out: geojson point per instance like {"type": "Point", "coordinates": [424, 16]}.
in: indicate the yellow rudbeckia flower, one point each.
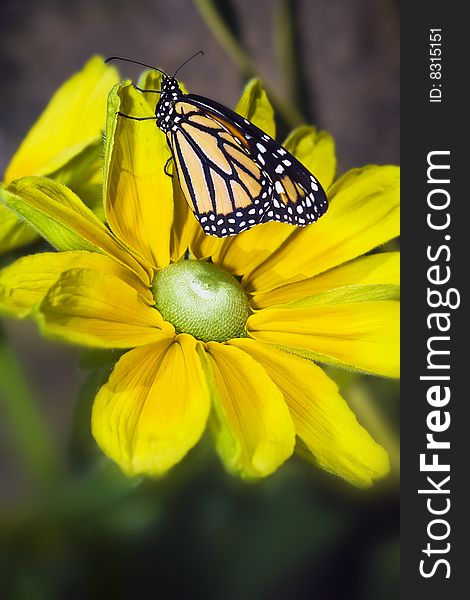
{"type": "Point", "coordinates": [220, 332]}
{"type": "Point", "coordinates": [64, 144]}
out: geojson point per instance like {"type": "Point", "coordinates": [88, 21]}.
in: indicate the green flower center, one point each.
{"type": "Point", "coordinates": [201, 299]}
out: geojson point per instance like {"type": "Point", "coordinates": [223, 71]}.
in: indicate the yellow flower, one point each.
{"type": "Point", "coordinates": [239, 320]}
{"type": "Point", "coordinates": [64, 144]}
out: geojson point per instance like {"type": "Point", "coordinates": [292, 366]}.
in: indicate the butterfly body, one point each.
{"type": "Point", "coordinates": [233, 175]}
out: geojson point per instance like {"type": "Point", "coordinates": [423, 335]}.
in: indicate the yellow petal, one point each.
{"type": "Point", "coordinates": [202, 245]}
{"type": "Point", "coordinates": [73, 118]}
{"type": "Point", "coordinates": [363, 335]}
{"type": "Point", "coordinates": [255, 106]}
{"type": "Point", "coordinates": [91, 308]}
{"type": "Point", "coordinates": [251, 424]}
{"type": "Point", "coordinates": [154, 407]}
{"type": "Point", "coordinates": [83, 174]}
{"type": "Point", "coordinates": [321, 417]}
{"type": "Point", "coordinates": [375, 269]}
{"type": "Point", "coordinates": [62, 219]}
{"type": "Point", "coordinates": [242, 253]}
{"type": "Point", "coordinates": [315, 150]}
{"type": "Point", "coordinates": [25, 282]}
{"type": "Point", "coordinates": [363, 213]}
{"type": "Point", "coordinates": [347, 294]}
{"type": "Point", "coordinates": [138, 193]}
{"type": "Point", "coordinates": [13, 232]}
{"type": "Point", "coordinates": [185, 226]}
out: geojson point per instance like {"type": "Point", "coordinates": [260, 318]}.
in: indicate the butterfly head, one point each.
{"type": "Point", "coordinates": [170, 88]}
{"type": "Point", "coordinates": [169, 94]}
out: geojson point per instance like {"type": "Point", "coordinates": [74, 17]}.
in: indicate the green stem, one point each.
{"type": "Point", "coordinates": [290, 58]}
{"type": "Point", "coordinates": [32, 438]}
{"type": "Point", "coordinates": [284, 36]}
{"type": "Point", "coordinates": [218, 27]}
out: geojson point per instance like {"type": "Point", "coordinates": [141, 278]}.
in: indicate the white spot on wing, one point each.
{"type": "Point", "coordinates": [279, 188]}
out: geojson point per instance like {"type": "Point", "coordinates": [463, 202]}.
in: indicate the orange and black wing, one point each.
{"type": "Point", "coordinates": [235, 176]}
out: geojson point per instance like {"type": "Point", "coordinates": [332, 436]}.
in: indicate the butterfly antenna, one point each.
{"type": "Point", "coordinates": [187, 60]}
{"type": "Point", "coordinates": [136, 62]}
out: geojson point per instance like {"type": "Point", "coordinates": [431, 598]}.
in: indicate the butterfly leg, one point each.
{"type": "Point", "coordinates": [166, 165]}
{"type": "Point", "coordinates": [150, 91]}
{"type": "Point", "coordinates": [120, 114]}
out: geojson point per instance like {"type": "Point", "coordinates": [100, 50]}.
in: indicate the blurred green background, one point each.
{"type": "Point", "coordinates": [70, 525]}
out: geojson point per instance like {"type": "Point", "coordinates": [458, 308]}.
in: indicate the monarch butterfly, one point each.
{"type": "Point", "coordinates": [233, 175]}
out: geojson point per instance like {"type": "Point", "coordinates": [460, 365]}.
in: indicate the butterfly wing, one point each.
{"type": "Point", "coordinates": [235, 176]}
{"type": "Point", "coordinates": [224, 187]}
